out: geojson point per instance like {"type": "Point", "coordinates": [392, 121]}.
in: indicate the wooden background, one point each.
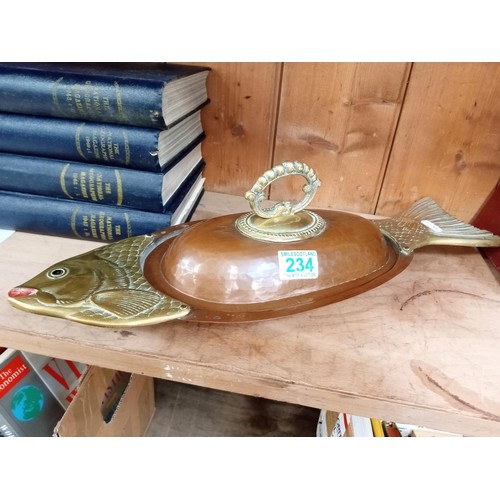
{"type": "Point", "coordinates": [379, 135]}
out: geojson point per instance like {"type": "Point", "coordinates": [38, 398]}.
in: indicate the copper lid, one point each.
{"type": "Point", "coordinates": [271, 262]}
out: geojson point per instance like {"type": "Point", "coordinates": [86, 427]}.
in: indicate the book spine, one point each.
{"type": "Point", "coordinates": [89, 142]}
{"type": "Point", "coordinates": [81, 181]}
{"type": "Point", "coordinates": [91, 97]}
{"type": "Point", "coordinates": [390, 429]}
{"type": "Point", "coordinates": [77, 219]}
{"type": "Point", "coordinates": [378, 429]}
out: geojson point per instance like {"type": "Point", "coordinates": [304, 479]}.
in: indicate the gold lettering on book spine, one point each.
{"type": "Point", "coordinates": [129, 225]}
{"type": "Point", "coordinates": [74, 214]}
{"type": "Point", "coordinates": [119, 103]}
{"type": "Point", "coordinates": [78, 99]}
{"type": "Point", "coordinates": [103, 134]}
{"type": "Point", "coordinates": [62, 180]}
{"type": "Point", "coordinates": [92, 192]}
{"type": "Point", "coordinates": [100, 189]}
{"type": "Point", "coordinates": [126, 144]}
{"type": "Point", "coordinates": [119, 188]}
{"type": "Point", "coordinates": [78, 143]}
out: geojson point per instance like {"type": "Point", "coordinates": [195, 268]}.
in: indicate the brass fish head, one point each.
{"type": "Point", "coordinates": [61, 288]}
{"type": "Point", "coordinates": [103, 287]}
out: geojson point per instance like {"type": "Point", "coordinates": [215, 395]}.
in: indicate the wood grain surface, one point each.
{"type": "Point", "coordinates": [447, 144]}
{"type": "Point", "coordinates": [240, 124]}
{"type": "Point", "coordinates": [380, 135]}
{"type": "Point", "coordinates": [340, 119]}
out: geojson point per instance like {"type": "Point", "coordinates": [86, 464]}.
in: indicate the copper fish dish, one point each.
{"type": "Point", "coordinates": [264, 264]}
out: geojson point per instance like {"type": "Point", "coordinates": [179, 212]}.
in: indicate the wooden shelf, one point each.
{"type": "Point", "coordinates": [422, 348]}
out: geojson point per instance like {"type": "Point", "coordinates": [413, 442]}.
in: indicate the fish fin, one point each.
{"type": "Point", "coordinates": [444, 226]}
{"type": "Point", "coordinates": [426, 223]}
{"type": "Point", "coordinates": [126, 303]}
{"type": "Point", "coordinates": [130, 308]}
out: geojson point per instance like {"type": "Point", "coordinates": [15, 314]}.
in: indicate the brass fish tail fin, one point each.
{"type": "Point", "coordinates": [426, 223]}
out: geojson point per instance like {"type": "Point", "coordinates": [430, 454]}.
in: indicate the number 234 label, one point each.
{"type": "Point", "coordinates": [298, 264]}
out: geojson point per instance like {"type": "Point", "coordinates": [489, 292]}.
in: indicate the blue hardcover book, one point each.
{"type": "Point", "coordinates": [102, 143]}
{"type": "Point", "coordinates": [152, 95]}
{"type": "Point", "coordinates": [89, 182]}
{"type": "Point", "coordinates": [93, 221]}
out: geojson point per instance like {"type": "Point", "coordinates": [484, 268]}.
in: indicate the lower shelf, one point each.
{"type": "Point", "coordinates": [187, 410]}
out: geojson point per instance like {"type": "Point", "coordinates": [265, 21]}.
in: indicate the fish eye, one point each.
{"type": "Point", "coordinates": [58, 272]}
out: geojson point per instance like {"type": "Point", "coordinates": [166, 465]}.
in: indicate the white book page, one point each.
{"type": "Point", "coordinates": [4, 234]}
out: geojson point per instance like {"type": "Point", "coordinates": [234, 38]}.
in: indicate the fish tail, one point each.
{"type": "Point", "coordinates": [426, 223]}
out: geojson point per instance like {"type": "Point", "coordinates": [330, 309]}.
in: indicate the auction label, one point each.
{"type": "Point", "coordinates": [298, 264]}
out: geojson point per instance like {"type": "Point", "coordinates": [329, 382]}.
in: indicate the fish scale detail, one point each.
{"type": "Point", "coordinates": [126, 254]}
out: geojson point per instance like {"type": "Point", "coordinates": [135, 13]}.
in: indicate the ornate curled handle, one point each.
{"type": "Point", "coordinates": [256, 194]}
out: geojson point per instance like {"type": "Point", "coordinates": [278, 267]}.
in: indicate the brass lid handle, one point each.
{"type": "Point", "coordinates": [285, 221]}
{"type": "Point", "coordinates": [256, 194]}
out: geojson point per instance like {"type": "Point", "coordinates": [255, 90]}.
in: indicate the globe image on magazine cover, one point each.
{"type": "Point", "coordinates": [27, 403]}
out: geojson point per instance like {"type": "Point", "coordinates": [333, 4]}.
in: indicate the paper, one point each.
{"type": "Point", "coordinates": [4, 234]}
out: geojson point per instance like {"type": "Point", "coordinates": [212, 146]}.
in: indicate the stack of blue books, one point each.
{"type": "Point", "coordinates": [100, 151]}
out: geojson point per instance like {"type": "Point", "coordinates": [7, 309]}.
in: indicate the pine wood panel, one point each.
{"type": "Point", "coordinates": [239, 123]}
{"type": "Point", "coordinates": [447, 145]}
{"type": "Point", "coordinates": [339, 118]}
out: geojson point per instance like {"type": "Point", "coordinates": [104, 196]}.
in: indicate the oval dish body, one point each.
{"type": "Point", "coordinates": [225, 276]}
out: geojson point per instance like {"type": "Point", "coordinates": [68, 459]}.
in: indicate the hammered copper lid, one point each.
{"type": "Point", "coordinates": [271, 262]}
